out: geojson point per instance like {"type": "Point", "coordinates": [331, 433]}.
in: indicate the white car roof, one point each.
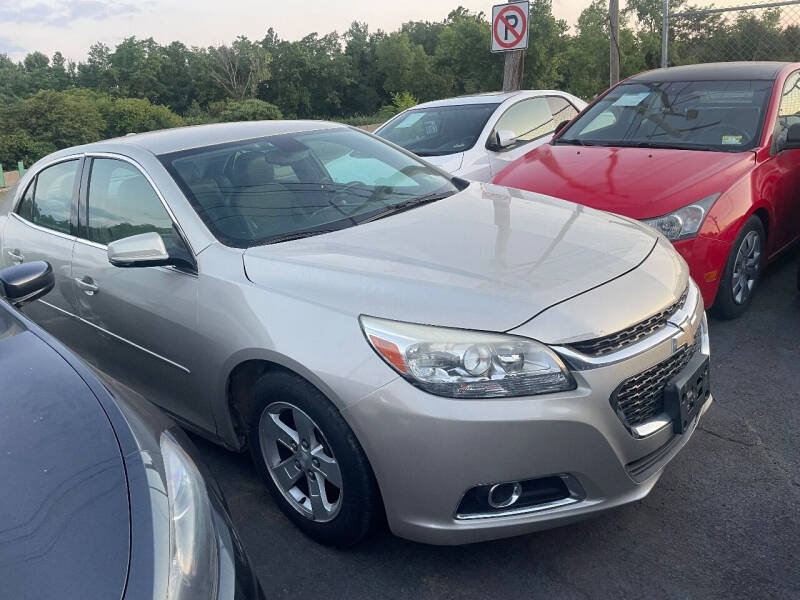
{"type": "Point", "coordinates": [486, 98]}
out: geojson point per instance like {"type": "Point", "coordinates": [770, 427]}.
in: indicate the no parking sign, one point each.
{"type": "Point", "coordinates": [510, 26]}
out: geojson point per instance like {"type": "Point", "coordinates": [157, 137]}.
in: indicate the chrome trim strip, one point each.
{"type": "Point", "coordinates": [577, 494]}
{"type": "Point", "coordinates": [582, 362]}
{"type": "Point", "coordinates": [61, 310]}
{"type": "Point", "coordinates": [520, 511]}
{"type": "Point", "coordinates": [32, 173]}
{"type": "Point", "coordinates": [65, 236]}
{"type": "Point", "coordinates": [654, 425]}
{"type": "Point", "coordinates": [678, 323]}
{"type": "Point", "coordinates": [120, 338]}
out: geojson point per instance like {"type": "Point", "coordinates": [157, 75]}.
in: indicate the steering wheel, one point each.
{"type": "Point", "coordinates": [344, 200]}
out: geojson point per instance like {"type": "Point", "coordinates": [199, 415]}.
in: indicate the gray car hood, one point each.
{"type": "Point", "coordinates": [486, 258]}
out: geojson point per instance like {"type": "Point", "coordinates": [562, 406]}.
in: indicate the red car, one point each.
{"type": "Point", "coordinates": [707, 154]}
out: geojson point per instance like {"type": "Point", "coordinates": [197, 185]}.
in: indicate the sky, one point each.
{"type": "Point", "coordinates": [71, 26]}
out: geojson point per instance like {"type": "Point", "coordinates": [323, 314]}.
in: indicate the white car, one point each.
{"type": "Point", "coordinates": [476, 137]}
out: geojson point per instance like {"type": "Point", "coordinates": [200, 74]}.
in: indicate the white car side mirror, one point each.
{"type": "Point", "coordinates": [505, 138]}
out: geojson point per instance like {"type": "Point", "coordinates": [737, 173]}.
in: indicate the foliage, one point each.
{"type": "Point", "coordinates": [49, 102]}
{"type": "Point", "coordinates": [249, 110]}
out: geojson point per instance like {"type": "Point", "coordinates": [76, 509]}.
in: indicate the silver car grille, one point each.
{"type": "Point", "coordinates": [617, 341]}
{"type": "Point", "coordinates": [641, 397]}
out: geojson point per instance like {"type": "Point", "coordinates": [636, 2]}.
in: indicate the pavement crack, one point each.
{"type": "Point", "coordinates": [731, 439]}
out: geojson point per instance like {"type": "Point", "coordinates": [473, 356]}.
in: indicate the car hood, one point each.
{"type": "Point", "coordinates": [636, 182]}
{"type": "Point", "coordinates": [486, 258]}
{"type": "Point", "coordinates": [448, 162]}
{"type": "Point", "coordinates": [64, 516]}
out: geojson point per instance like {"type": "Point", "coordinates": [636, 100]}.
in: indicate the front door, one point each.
{"type": "Point", "coordinates": [780, 175]}
{"type": "Point", "coordinates": [40, 228]}
{"type": "Point", "coordinates": [532, 123]}
{"type": "Point", "coordinates": [141, 323]}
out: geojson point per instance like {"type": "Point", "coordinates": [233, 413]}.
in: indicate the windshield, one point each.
{"type": "Point", "coordinates": [438, 131]}
{"type": "Point", "coordinates": [723, 116]}
{"type": "Point", "coordinates": [289, 186]}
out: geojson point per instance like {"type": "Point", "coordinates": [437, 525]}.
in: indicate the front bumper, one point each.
{"type": "Point", "coordinates": [427, 451]}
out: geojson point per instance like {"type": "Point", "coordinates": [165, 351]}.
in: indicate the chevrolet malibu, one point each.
{"type": "Point", "coordinates": [468, 360]}
{"type": "Point", "coordinates": [707, 154]}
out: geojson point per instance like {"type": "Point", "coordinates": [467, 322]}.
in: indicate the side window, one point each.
{"type": "Point", "coordinates": [48, 200]}
{"type": "Point", "coordinates": [528, 120]}
{"type": "Point", "coordinates": [122, 203]}
{"type": "Point", "coordinates": [789, 109]}
{"type": "Point", "coordinates": [25, 208]}
{"type": "Point", "coordinates": [561, 109]}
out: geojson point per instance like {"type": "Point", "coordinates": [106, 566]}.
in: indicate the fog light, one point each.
{"type": "Point", "coordinates": [519, 497]}
{"type": "Point", "coordinates": [503, 495]}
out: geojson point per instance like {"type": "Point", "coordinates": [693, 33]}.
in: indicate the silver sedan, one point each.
{"type": "Point", "coordinates": [473, 361]}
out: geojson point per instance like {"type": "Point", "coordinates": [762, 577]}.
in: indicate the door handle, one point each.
{"type": "Point", "coordinates": [87, 285]}
{"type": "Point", "coordinates": [16, 256]}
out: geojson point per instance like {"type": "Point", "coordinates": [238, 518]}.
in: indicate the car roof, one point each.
{"type": "Point", "coordinates": [199, 136]}
{"type": "Point", "coordinates": [483, 98]}
{"type": "Point", "coordinates": [730, 71]}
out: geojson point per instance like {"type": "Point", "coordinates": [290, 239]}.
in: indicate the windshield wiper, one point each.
{"type": "Point", "coordinates": [297, 235]}
{"type": "Point", "coordinates": [660, 145]}
{"type": "Point", "coordinates": [406, 205]}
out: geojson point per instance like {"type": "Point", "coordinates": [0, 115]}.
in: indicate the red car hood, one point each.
{"type": "Point", "coordinates": [634, 182]}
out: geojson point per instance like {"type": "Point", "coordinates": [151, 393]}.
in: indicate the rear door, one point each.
{"type": "Point", "coordinates": [532, 123]}
{"type": "Point", "coordinates": [41, 227]}
{"type": "Point", "coordinates": [141, 324]}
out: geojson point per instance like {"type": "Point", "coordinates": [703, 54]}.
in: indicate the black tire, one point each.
{"type": "Point", "coordinates": [725, 304]}
{"type": "Point", "coordinates": [361, 506]}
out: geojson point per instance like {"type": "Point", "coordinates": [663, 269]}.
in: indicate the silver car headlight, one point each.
{"type": "Point", "coordinates": [457, 363]}
{"type": "Point", "coordinates": [685, 222]}
{"type": "Point", "coordinates": [194, 568]}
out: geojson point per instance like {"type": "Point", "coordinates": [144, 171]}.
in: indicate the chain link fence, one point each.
{"type": "Point", "coordinates": [731, 30]}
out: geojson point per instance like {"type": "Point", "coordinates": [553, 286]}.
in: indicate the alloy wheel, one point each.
{"type": "Point", "coordinates": [300, 461]}
{"type": "Point", "coordinates": [746, 267]}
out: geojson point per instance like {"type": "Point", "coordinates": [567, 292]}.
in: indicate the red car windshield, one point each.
{"type": "Point", "coordinates": [723, 116]}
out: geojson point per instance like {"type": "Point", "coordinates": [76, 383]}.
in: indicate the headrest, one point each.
{"type": "Point", "coordinates": [252, 169]}
{"type": "Point", "coordinates": [189, 172]}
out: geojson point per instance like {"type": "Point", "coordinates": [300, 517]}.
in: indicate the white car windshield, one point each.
{"type": "Point", "coordinates": [285, 187]}
{"type": "Point", "coordinates": [438, 131]}
{"type": "Point", "coordinates": [693, 115]}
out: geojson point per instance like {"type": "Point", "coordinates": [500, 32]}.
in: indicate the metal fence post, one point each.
{"type": "Point", "coordinates": [2, 178]}
{"type": "Point", "coordinates": [21, 169]}
{"type": "Point", "coordinates": [665, 36]}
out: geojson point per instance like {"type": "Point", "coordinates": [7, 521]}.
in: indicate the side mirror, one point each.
{"type": "Point", "coordinates": [27, 282]}
{"type": "Point", "coordinates": [560, 126]}
{"type": "Point", "coordinates": [792, 138]}
{"type": "Point", "coordinates": [505, 138]}
{"type": "Point", "coordinates": [143, 250]}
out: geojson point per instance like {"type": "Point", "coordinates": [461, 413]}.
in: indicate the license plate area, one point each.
{"type": "Point", "coordinates": [687, 392]}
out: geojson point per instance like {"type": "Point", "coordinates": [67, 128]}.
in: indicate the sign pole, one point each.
{"type": "Point", "coordinates": [510, 31]}
{"type": "Point", "coordinates": [513, 71]}
{"type": "Point", "coordinates": [613, 17]}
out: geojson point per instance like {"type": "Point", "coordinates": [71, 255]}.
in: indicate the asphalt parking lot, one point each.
{"type": "Point", "coordinates": [724, 521]}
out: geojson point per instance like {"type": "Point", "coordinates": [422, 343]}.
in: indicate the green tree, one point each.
{"type": "Point", "coordinates": [250, 110]}
{"type": "Point", "coordinates": [54, 120]}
